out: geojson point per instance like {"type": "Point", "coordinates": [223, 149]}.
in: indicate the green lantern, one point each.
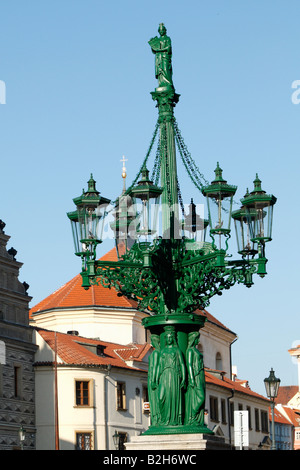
{"type": "Point", "coordinates": [243, 220]}
{"type": "Point", "coordinates": [88, 219]}
{"type": "Point", "coordinates": [149, 194]}
{"type": "Point", "coordinates": [124, 225]}
{"type": "Point", "coordinates": [259, 207]}
{"type": "Point", "coordinates": [219, 195]}
{"type": "Point", "coordinates": [194, 228]}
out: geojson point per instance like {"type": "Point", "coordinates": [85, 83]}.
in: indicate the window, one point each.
{"type": "Point", "coordinates": [145, 398]}
{"type": "Point", "coordinates": [249, 417]}
{"type": "Point", "coordinates": [82, 392]}
{"type": "Point", "coordinates": [264, 421]}
{"type": "Point", "coordinates": [122, 440]}
{"type": "Point", "coordinates": [223, 411]}
{"type": "Point", "coordinates": [219, 364]}
{"type": "Point", "coordinates": [17, 381]}
{"type": "Point", "coordinates": [83, 441]}
{"type": "Point", "coordinates": [214, 414]}
{"type": "Point", "coordinates": [256, 414]}
{"type": "Point", "coordinates": [231, 413]}
{"type": "Point", "coordinates": [121, 396]}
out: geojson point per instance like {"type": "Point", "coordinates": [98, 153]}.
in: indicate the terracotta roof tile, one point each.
{"type": "Point", "coordinates": [286, 393]}
{"type": "Point", "coordinates": [293, 415]}
{"type": "Point", "coordinates": [278, 417]}
{"type": "Point", "coordinates": [72, 294]}
{"type": "Point", "coordinates": [76, 350]}
{"type": "Point", "coordinates": [135, 352]}
{"type": "Point", "coordinates": [232, 385]}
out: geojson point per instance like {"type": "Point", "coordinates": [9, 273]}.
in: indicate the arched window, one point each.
{"type": "Point", "coordinates": [219, 365]}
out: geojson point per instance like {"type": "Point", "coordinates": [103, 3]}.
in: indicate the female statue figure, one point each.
{"type": "Point", "coordinates": [195, 395]}
{"type": "Point", "coordinates": [153, 380]}
{"type": "Point", "coordinates": [171, 381]}
{"type": "Point", "coordinates": [162, 48]}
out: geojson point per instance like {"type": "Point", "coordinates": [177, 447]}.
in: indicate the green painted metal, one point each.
{"type": "Point", "coordinates": [173, 278]}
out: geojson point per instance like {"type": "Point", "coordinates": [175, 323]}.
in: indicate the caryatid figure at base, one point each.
{"type": "Point", "coordinates": [195, 394]}
{"type": "Point", "coordinates": [153, 379]}
{"type": "Point", "coordinates": [162, 48]}
{"type": "Point", "coordinates": [172, 374]}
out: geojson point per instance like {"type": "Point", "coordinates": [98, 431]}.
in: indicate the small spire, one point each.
{"type": "Point", "coordinates": [218, 173]}
{"type": "Point", "coordinates": [145, 173]}
{"type": "Point", "coordinates": [257, 183]}
{"type": "Point", "coordinates": [257, 186]}
{"type": "Point", "coordinates": [92, 185]}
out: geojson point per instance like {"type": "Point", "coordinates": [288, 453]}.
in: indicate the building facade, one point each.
{"type": "Point", "coordinates": [17, 384]}
{"type": "Point", "coordinates": [87, 390]}
{"type": "Point", "coordinates": [283, 427]}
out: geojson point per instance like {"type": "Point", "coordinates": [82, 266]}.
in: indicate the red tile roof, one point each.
{"type": "Point", "coordinates": [286, 393]}
{"type": "Point", "coordinates": [293, 415]}
{"type": "Point", "coordinates": [76, 350]}
{"type": "Point", "coordinates": [231, 385]}
{"type": "Point", "coordinates": [72, 294]}
{"type": "Point", "coordinates": [278, 417]}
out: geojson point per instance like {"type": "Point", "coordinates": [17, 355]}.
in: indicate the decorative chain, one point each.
{"type": "Point", "coordinates": [190, 165]}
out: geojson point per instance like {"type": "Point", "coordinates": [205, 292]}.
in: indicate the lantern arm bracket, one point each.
{"type": "Point", "coordinates": [196, 259]}
{"type": "Point", "coordinates": [117, 264]}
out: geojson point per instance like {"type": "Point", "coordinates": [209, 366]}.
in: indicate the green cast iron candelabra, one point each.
{"type": "Point", "coordinates": [172, 275]}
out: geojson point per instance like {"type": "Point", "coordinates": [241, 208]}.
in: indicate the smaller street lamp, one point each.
{"type": "Point", "coordinates": [116, 439]}
{"type": "Point", "coordinates": [194, 227]}
{"type": "Point", "coordinates": [22, 437]}
{"type": "Point", "coordinates": [272, 384]}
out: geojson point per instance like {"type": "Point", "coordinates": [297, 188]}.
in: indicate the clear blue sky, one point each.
{"type": "Point", "coordinates": [78, 76]}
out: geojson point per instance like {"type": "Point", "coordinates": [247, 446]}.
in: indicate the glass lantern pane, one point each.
{"type": "Point", "coordinates": [243, 235]}
{"type": "Point", "coordinates": [261, 226]}
{"type": "Point", "coordinates": [76, 236]}
{"type": "Point", "coordinates": [147, 222]}
{"type": "Point", "coordinates": [219, 212]}
{"type": "Point", "coordinates": [90, 223]}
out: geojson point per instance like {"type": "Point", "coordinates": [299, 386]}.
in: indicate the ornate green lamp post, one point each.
{"type": "Point", "coordinates": [171, 275]}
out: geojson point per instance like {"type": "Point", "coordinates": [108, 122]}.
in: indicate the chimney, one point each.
{"type": "Point", "coordinates": [73, 333]}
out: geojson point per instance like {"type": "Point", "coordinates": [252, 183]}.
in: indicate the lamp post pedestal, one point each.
{"type": "Point", "coordinates": [176, 381]}
{"type": "Point", "coordinates": [180, 442]}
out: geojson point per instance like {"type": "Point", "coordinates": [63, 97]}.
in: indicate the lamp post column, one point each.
{"type": "Point", "coordinates": [166, 100]}
{"type": "Point", "coordinates": [273, 425]}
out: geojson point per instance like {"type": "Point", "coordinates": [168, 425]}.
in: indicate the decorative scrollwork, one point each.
{"type": "Point", "coordinates": [176, 281]}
